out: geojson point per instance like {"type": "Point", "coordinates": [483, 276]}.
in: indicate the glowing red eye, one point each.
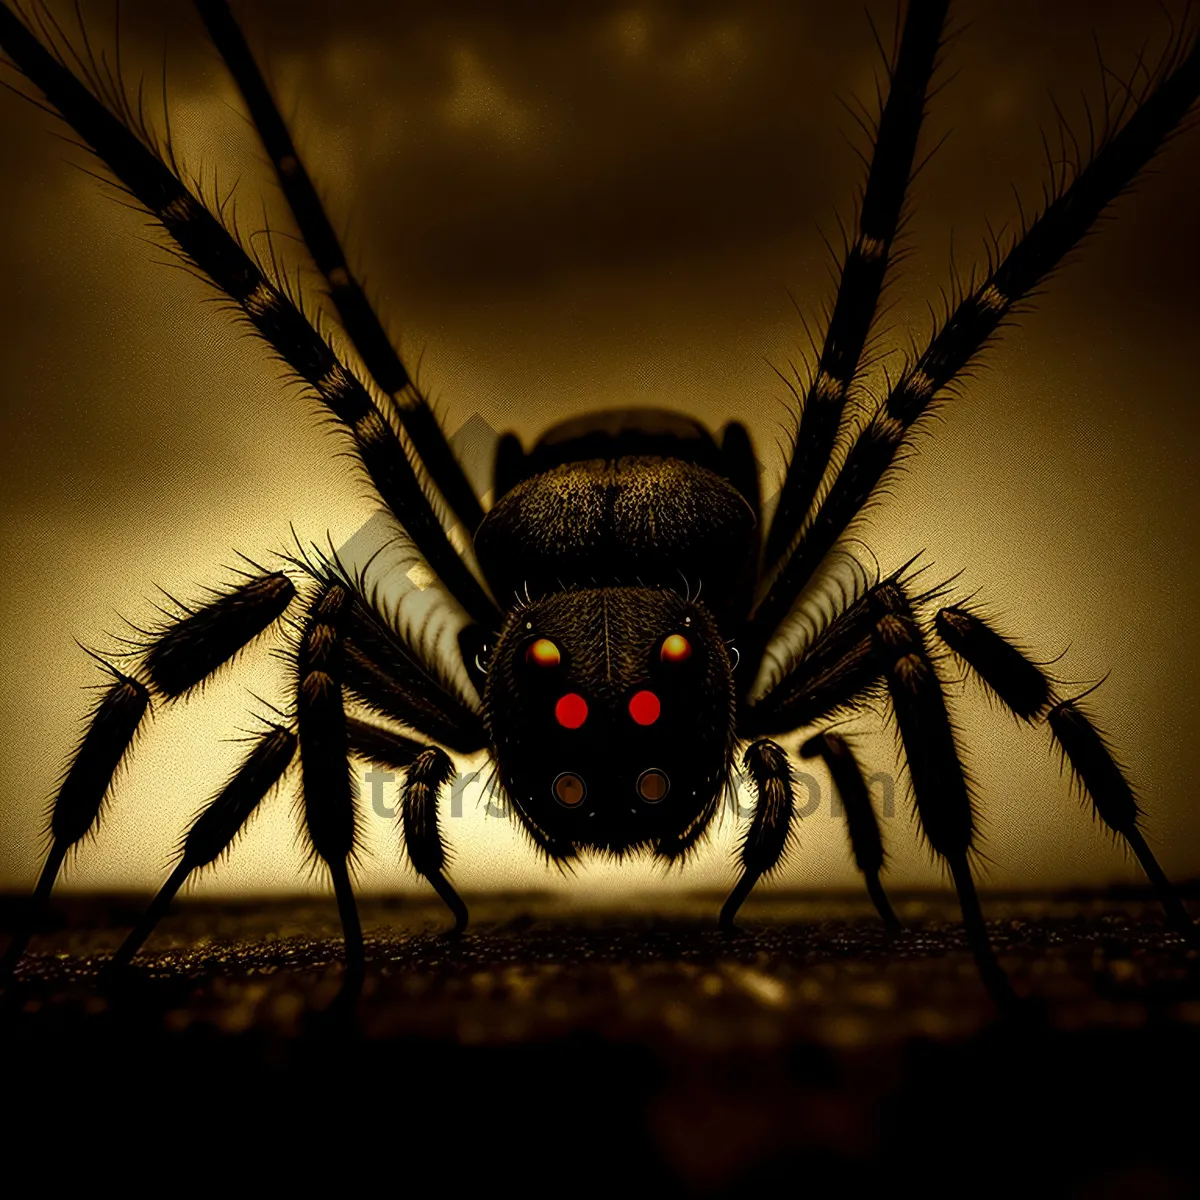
{"type": "Point", "coordinates": [543, 653]}
{"type": "Point", "coordinates": [676, 649]}
{"type": "Point", "coordinates": [644, 708]}
{"type": "Point", "coordinates": [571, 710]}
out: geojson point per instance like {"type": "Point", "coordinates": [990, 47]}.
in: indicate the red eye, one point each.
{"type": "Point", "coordinates": [675, 649]}
{"type": "Point", "coordinates": [543, 653]}
{"type": "Point", "coordinates": [571, 710]}
{"type": "Point", "coordinates": [644, 708]}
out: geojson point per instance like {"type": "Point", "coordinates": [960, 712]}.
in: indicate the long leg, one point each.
{"type": "Point", "coordinates": [329, 795]}
{"type": "Point", "coordinates": [866, 842]}
{"type": "Point", "coordinates": [1024, 688]}
{"type": "Point", "coordinates": [202, 240]}
{"type": "Point", "coordinates": [939, 785]}
{"type": "Point", "coordinates": [876, 638]}
{"type": "Point", "coordinates": [863, 270]}
{"type": "Point", "coordinates": [214, 829]}
{"type": "Point", "coordinates": [956, 343]}
{"type": "Point", "coordinates": [358, 317]}
{"type": "Point", "coordinates": [176, 658]}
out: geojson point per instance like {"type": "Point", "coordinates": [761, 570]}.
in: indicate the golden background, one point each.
{"type": "Point", "coordinates": [569, 206]}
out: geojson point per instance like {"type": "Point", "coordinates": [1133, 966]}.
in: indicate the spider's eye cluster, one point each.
{"type": "Point", "coordinates": [543, 653]}
{"type": "Point", "coordinates": [675, 649]}
{"type": "Point", "coordinates": [571, 711]}
{"type": "Point", "coordinates": [645, 707]}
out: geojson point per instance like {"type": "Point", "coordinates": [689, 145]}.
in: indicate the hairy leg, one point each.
{"type": "Point", "coordinates": [202, 242]}
{"type": "Point", "coordinates": [175, 658]}
{"type": "Point", "coordinates": [358, 317]}
{"type": "Point", "coordinates": [1023, 687]}
{"type": "Point", "coordinates": [863, 270]}
{"type": "Point", "coordinates": [866, 841]}
{"type": "Point", "coordinates": [770, 831]}
{"type": "Point", "coordinates": [1072, 210]}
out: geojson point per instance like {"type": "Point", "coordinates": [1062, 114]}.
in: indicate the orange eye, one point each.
{"type": "Point", "coordinates": [543, 653]}
{"type": "Point", "coordinates": [675, 649]}
{"type": "Point", "coordinates": [571, 710]}
{"type": "Point", "coordinates": [645, 708]}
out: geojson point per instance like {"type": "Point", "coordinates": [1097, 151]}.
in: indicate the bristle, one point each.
{"type": "Point", "coordinates": [188, 651]}
{"type": "Point", "coordinates": [430, 772]}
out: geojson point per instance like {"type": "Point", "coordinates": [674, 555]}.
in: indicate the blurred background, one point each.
{"type": "Point", "coordinates": [569, 207]}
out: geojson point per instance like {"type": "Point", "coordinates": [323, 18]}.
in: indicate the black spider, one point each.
{"type": "Point", "coordinates": [613, 700]}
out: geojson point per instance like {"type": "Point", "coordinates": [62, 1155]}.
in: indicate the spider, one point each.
{"type": "Point", "coordinates": [625, 589]}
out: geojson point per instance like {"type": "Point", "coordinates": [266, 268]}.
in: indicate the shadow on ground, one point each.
{"type": "Point", "coordinates": [583, 1050]}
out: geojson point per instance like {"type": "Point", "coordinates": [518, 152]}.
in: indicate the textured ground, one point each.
{"type": "Point", "coordinates": [584, 1050]}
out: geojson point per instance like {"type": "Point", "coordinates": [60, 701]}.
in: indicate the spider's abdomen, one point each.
{"type": "Point", "coordinates": [619, 498]}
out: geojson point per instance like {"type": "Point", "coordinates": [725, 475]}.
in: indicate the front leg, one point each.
{"type": "Point", "coordinates": [771, 829]}
{"type": "Point", "coordinates": [429, 773]}
{"type": "Point", "coordinates": [427, 770]}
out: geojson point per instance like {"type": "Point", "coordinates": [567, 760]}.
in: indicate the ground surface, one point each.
{"type": "Point", "coordinates": [586, 1050]}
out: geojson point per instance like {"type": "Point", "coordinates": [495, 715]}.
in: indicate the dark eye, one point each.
{"type": "Point", "coordinates": [644, 707]}
{"type": "Point", "coordinates": [543, 653]}
{"type": "Point", "coordinates": [571, 710]}
{"type": "Point", "coordinates": [675, 649]}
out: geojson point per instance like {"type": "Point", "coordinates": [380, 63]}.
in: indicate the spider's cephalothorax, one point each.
{"type": "Point", "coordinates": [609, 699]}
{"type": "Point", "coordinates": [627, 591]}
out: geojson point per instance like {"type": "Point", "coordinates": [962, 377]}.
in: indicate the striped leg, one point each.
{"type": "Point", "coordinates": [1024, 688]}
{"type": "Point", "coordinates": [1072, 210]}
{"type": "Point", "coordinates": [201, 240]}
{"type": "Point", "coordinates": [358, 317]}
{"type": "Point", "coordinates": [862, 271]}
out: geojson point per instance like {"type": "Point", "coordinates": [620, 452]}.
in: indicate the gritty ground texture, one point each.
{"type": "Point", "coordinates": [558, 1049]}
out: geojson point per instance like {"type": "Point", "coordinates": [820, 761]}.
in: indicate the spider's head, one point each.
{"type": "Point", "coordinates": [611, 714]}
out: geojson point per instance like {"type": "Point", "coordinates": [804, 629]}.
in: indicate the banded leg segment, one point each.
{"type": "Point", "coordinates": [202, 240]}
{"type": "Point", "coordinates": [177, 658]}
{"type": "Point", "coordinates": [1025, 689]}
{"type": "Point", "coordinates": [866, 841]}
{"type": "Point", "coordinates": [956, 343]}
{"type": "Point", "coordinates": [863, 270]}
{"type": "Point", "coordinates": [329, 799]}
{"type": "Point", "coordinates": [770, 831]}
{"type": "Point", "coordinates": [358, 317]}
{"type": "Point", "coordinates": [940, 789]}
